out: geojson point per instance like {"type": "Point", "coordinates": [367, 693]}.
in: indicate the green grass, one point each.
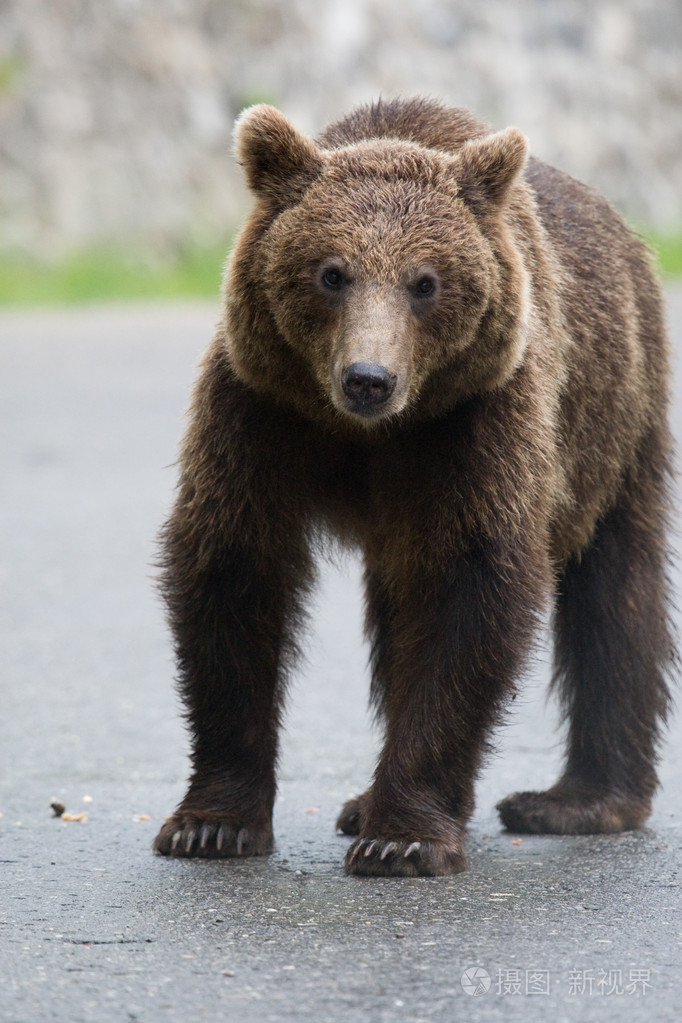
{"type": "Point", "coordinates": [106, 275]}
{"type": "Point", "coordinates": [668, 249]}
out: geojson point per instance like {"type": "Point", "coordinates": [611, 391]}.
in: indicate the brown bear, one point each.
{"type": "Point", "coordinates": [453, 359]}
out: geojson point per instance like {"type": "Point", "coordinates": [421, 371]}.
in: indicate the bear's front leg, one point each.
{"type": "Point", "coordinates": [236, 565]}
{"type": "Point", "coordinates": [446, 651]}
{"type": "Point", "coordinates": [221, 609]}
{"type": "Point", "coordinates": [232, 617]}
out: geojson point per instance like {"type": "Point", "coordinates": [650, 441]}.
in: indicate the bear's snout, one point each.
{"type": "Point", "coordinates": [367, 385]}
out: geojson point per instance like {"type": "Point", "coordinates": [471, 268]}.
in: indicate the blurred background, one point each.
{"type": "Point", "coordinates": [116, 174]}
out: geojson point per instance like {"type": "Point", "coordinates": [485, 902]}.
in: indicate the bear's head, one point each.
{"type": "Point", "coordinates": [379, 280]}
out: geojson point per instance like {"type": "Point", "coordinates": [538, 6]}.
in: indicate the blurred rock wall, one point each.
{"type": "Point", "coordinates": [116, 115]}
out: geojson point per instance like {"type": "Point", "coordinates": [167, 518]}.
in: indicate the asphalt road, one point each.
{"type": "Point", "coordinates": [93, 926]}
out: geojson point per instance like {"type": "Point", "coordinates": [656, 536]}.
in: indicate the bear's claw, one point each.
{"type": "Point", "coordinates": [183, 835]}
{"type": "Point", "coordinates": [403, 858]}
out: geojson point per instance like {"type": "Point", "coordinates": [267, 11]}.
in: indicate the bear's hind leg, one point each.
{"type": "Point", "coordinates": [613, 652]}
{"type": "Point", "coordinates": [349, 820]}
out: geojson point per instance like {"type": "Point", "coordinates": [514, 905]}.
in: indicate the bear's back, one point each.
{"type": "Point", "coordinates": [421, 121]}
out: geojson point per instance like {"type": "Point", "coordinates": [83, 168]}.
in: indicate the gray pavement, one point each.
{"type": "Point", "coordinates": [92, 925]}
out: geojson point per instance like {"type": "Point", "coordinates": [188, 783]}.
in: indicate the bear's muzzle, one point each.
{"type": "Point", "coordinates": [367, 385]}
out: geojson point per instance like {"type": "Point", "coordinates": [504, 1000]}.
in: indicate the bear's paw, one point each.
{"type": "Point", "coordinates": [349, 820]}
{"type": "Point", "coordinates": [561, 811]}
{"type": "Point", "coordinates": [203, 836]}
{"type": "Point", "coordinates": [404, 857]}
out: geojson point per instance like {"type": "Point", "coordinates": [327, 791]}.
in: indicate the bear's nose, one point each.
{"type": "Point", "coordinates": [367, 384]}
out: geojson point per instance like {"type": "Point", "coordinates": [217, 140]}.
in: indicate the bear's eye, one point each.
{"type": "Point", "coordinates": [425, 286]}
{"type": "Point", "coordinates": [333, 278]}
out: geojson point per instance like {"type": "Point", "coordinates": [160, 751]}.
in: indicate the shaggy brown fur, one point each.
{"type": "Point", "coordinates": [454, 360]}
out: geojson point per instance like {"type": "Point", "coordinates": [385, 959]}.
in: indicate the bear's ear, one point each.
{"type": "Point", "coordinates": [488, 167]}
{"type": "Point", "coordinates": [277, 159]}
